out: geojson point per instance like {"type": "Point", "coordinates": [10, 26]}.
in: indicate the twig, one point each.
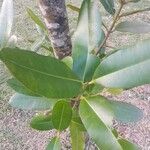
{"type": "Point", "coordinates": [110, 29]}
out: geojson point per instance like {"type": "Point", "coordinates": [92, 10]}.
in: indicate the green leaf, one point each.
{"type": "Point", "coordinates": [91, 65]}
{"type": "Point", "coordinates": [74, 8]}
{"type": "Point", "coordinates": [42, 122]}
{"type": "Point", "coordinates": [114, 91]}
{"type": "Point", "coordinates": [54, 144]}
{"type": "Point", "coordinates": [30, 102]}
{"type": "Point", "coordinates": [102, 50]}
{"type": "Point", "coordinates": [36, 19]}
{"type": "Point", "coordinates": [77, 137]}
{"type": "Point", "coordinates": [133, 27]}
{"type": "Point", "coordinates": [126, 145]}
{"type": "Point", "coordinates": [94, 88]}
{"type": "Point", "coordinates": [44, 75]}
{"type": "Point", "coordinates": [108, 5]}
{"type": "Point", "coordinates": [102, 108]}
{"type": "Point", "coordinates": [6, 21]}
{"type": "Point", "coordinates": [115, 133]}
{"type": "Point", "coordinates": [61, 115]}
{"type": "Point", "coordinates": [98, 131]}
{"type": "Point", "coordinates": [126, 68]}
{"type": "Point", "coordinates": [68, 61]}
{"type": "Point", "coordinates": [87, 38]}
{"type": "Point", "coordinates": [19, 87]}
{"type": "Point", "coordinates": [76, 120]}
{"type": "Point", "coordinates": [108, 109]}
{"type": "Point", "coordinates": [125, 112]}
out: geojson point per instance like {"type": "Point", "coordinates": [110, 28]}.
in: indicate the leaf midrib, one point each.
{"type": "Point", "coordinates": [88, 40]}
{"type": "Point", "coordinates": [42, 123]}
{"type": "Point", "coordinates": [61, 117]}
{"type": "Point", "coordinates": [34, 70]}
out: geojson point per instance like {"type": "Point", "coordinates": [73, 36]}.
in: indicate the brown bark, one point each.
{"type": "Point", "coordinates": [56, 19]}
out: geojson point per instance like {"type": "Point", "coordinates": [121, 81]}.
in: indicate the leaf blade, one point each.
{"type": "Point", "coordinates": [61, 115]}
{"type": "Point", "coordinates": [54, 144]}
{"type": "Point", "coordinates": [77, 137]}
{"type": "Point", "coordinates": [102, 108]}
{"type": "Point", "coordinates": [86, 39]}
{"type": "Point", "coordinates": [107, 110]}
{"type": "Point", "coordinates": [126, 112]}
{"type": "Point", "coordinates": [109, 6]}
{"type": "Point", "coordinates": [36, 19]}
{"type": "Point", "coordinates": [133, 27]}
{"type": "Point", "coordinates": [127, 145]}
{"type": "Point", "coordinates": [30, 102]}
{"type": "Point", "coordinates": [42, 122]}
{"type": "Point", "coordinates": [19, 87]}
{"type": "Point", "coordinates": [97, 129]}
{"type": "Point", "coordinates": [43, 75]}
{"type": "Point", "coordinates": [126, 68]}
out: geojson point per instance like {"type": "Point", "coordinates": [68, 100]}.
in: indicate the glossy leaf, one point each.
{"type": "Point", "coordinates": [77, 137]}
{"type": "Point", "coordinates": [108, 109]}
{"type": "Point", "coordinates": [125, 112]}
{"type": "Point", "coordinates": [126, 145]}
{"type": "Point", "coordinates": [108, 5]}
{"type": "Point", "coordinates": [77, 131]}
{"type": "Point", "coordinates": [126, 68]}
{"type": "Point", "coordinates": [98, 131]}
{"type": "Point", "coordinates": [102, 108]}
{"type": "Point", "coordinates": [54, 144]}
{"type": "Point", "coordinates": [42, 122]}
{"type": "Point", "coordinates": [114, 91]}
{"type": "Point", "coordinates": [43, 75]}
{"type": "Point", "coordinates": [76, 120]}
{"type": "Point", "coordinates": [61, 115]}
{"type": "Point", "coordinates": [86, 38]}
{"type": "Point", "coordinates": [19, 87]}
{"type": "Point", "coordinates": [114, 131]}
{"type": "Point", "coordinates": [30, 102]}
{"type": "Point", "coordinates": [102, 50]}
{"type": "Point", "coordinates": [133, 27]}
{"type": "Point", "coordinates": [36, 19]}
{"type": "Point", "coordinates": [6, 21]}
{"type": "Point", "coordinates": [68, 61]}
{"type": "Point", "coordinates": [94, 88]}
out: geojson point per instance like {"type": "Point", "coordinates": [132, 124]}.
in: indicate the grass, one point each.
{"type": "Point", "coordinates": [14, 129]}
